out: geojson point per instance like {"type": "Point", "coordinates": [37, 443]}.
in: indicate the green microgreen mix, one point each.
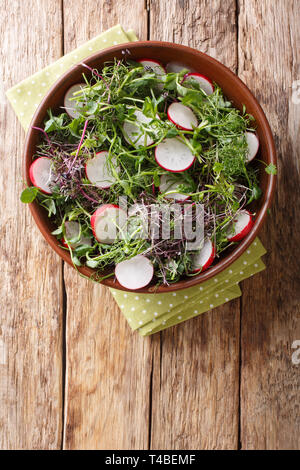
{"type": "Point", "coordinates": [220, 178]}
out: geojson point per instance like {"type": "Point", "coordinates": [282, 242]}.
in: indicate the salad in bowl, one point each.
{"type": "Point", "coordinates": [147, 171]}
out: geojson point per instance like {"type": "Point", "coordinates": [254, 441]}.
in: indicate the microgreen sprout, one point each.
{"type": "Point", "coordinates": [220, 178]}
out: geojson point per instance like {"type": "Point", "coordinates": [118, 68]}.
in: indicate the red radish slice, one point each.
{"type": "Point", "coordinates": [182, 116]}
{"type": "Point", "coordinates": [203, 259]}
{"type": "Point", "coordinates": [167, 184]}
{"type": "Point", "coordinates": [253, 145]}
{"type": "Point", "coordinates": [98, 170]}
{"type": "Point", "coordinates": [71, 105]}
{"type": "Point", "coordinates": [241, 226]}
{"type": "Point", "coordinates": [205, 83]}
{"type": "Point", "coordinates": [63, 241]}
{"type": "Point", "coordinates": [106, 221]}
{"type": "Point", "coordinates": [134, 273]}
{"type": "Point", "coordinates": [175, 67]}
{"type": "Point", "coordinates": [41, 175]}
{"type": "Point", "coordinates": [156, 66]}
{"type": "Point", "coordinates": [133, 133]}
{"type": "Point", "coordinates": [173, 155]}
{"type": "Point", "coordinates": [72, 229]}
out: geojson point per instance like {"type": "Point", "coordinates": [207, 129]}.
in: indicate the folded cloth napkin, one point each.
{"type": "Point", "coordinates": [150, 313]}
{"type": "Point", "coordinates": [27, 95]}
{"type": "Point", "coordinates": [147, 313]}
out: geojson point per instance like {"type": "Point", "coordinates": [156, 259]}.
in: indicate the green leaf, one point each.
{"type": "Point", "coordinates": [230, 188]}
{"type": "Point", "coordinates": [74, 127]}
{"type": "Point", "coordinates": [29, 194]}
{"type": "Point", "coordinates": [54, 123]}
{"type": "Point", "coordinates": [218, 167]}
{"type": "Point", "coordinates": [181, 90]}
{"type": "Point", "coordinates": [172, 132]}
{"type": "Point", "coordinates": [235, 205]}
{"type": "Point", "coordinates": [91, 263]}
{"type": "Point", "coordinates": [170, 81]}
{"type": "Point", "coordinates": [58, 231]}
{"type": "Point", "coordinates": [91, 108]}
{"type": "Point", "coordinates": [156, 180]}
{"type": "Point", "coordinates": [256, 192]}
{"type": "Point", "coordinates": [271, 169]}
{"type": "Point", "coordinates": [50, 204]}
{"type": "Point", "coordinates": [82, 249]}
{"type": "Point", "coordinates": [148, 108]}
{"type": "Point", "coordinates": [76, 261]}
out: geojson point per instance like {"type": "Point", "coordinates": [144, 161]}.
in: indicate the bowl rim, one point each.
{"type": "Point", "coordinates": [221, 265]}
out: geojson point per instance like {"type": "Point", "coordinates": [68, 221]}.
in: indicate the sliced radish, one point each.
{"type": "Point", "coordinates": [99, 172]}
{"type": "Point", "coordinates": [106, 222]}
{"type": "Point", "coordinates": [154, 65]}
{"type": "Point", "coordinates": [40, 174]}
{"type": "Point", "coordinates": [173, 155]}
{"type": "Point", "coordinates": [72, 229]}
{"type": "Point", "coordinates": [134, 134]}
{"type": "Point", "coordinates": [205, 83]}
{"type": "Point", "coordinates": [241, 226]}
{"type": "Point", "coordinates": [70, 104]}
{"type": "Point", "coordinates": [253, 145]}
{"type": "Point", "coordinates": [168, 184]}
{"type": "Point", "coordinates": [134, 273]}
{"type": "Point", "coordinates": [182, 116]}
{"type": "Point", "coordinates": [203, 259]}
{"type": "Point", "coordinates": [175, 67]}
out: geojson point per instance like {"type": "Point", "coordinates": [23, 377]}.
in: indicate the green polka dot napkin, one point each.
{"type": "Point", "coordinates": [150, 313]}
{"type": "Point", "coordinates": [26, 96]}
{"type": "Point", "coordinates": [147, 313]}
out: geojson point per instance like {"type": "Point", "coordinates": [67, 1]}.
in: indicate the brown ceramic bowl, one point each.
{"type": "Point", "coordinates": [233, 88]}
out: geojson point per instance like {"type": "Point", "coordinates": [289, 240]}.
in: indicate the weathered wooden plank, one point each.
{"type": "Point", "coordinates": [31, 285]}
{"type": "Point", "coordinates": [108, 367]}
{"type": "Point", "coordinates": [269, 63]}
{"type": "Point", "coordinates": [207, 25]}
{"type": "Point", "coordinates": [92, 17]}
{"type": "Point", "coordinates": [196, 367]}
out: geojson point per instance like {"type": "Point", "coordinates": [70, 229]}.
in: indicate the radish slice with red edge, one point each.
{"type": "Point", "coordinates": [253, 145]}
{"type": "Point", "coordinates": [98, 170]}
{"type": "Point", "coordinates": [182, 116]}
{"type": "Point", "coordinates": [156, 67]}
{"type": "Point", "coordinates": [150, 64]}
{"type": "Point", "coordinates": [173, 155]}
{"type": "Point", "coordinates": [205, 83]}
{"type": "Point", "coordinates": [106, 222]}
{"type": "Point", "coordinates": [167, 184]}
{"type": "Point", "coordinates": [240, 227]}
{"type": "Point", "coordinates": [175, 67]}
{"type": "Point", "coordinates": [203, 259]}
{"type": "Point", "coordinates": [71, 105]}
{"type": "Point", "coordinates": [41, 175]}
{"type": "Point", "coordinates": [134, 135]}
{"type": "Point", "coordinates": [72, 229]}
{"type": "Point", "coordinates": [134, 273]}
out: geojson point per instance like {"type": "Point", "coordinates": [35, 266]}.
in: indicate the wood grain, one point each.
{"type": "Point", "coordinates": [188, 387]}
{"type": "Point", "coordinates": [206, 25]}
{"type": "Point", "coordinates": [108, 366]}
{"type": "Point", "coordinates": [31, 288]}
{"type": "Point", "coordinates": [269, 63]}
{"type": "Point", "coordinates": [91, 17]}
{"type": "Point", "coordinates": [196, 366]}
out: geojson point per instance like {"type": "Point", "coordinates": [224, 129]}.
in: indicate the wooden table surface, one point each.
{"type": "Point", "coordinates": [72, 374]}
